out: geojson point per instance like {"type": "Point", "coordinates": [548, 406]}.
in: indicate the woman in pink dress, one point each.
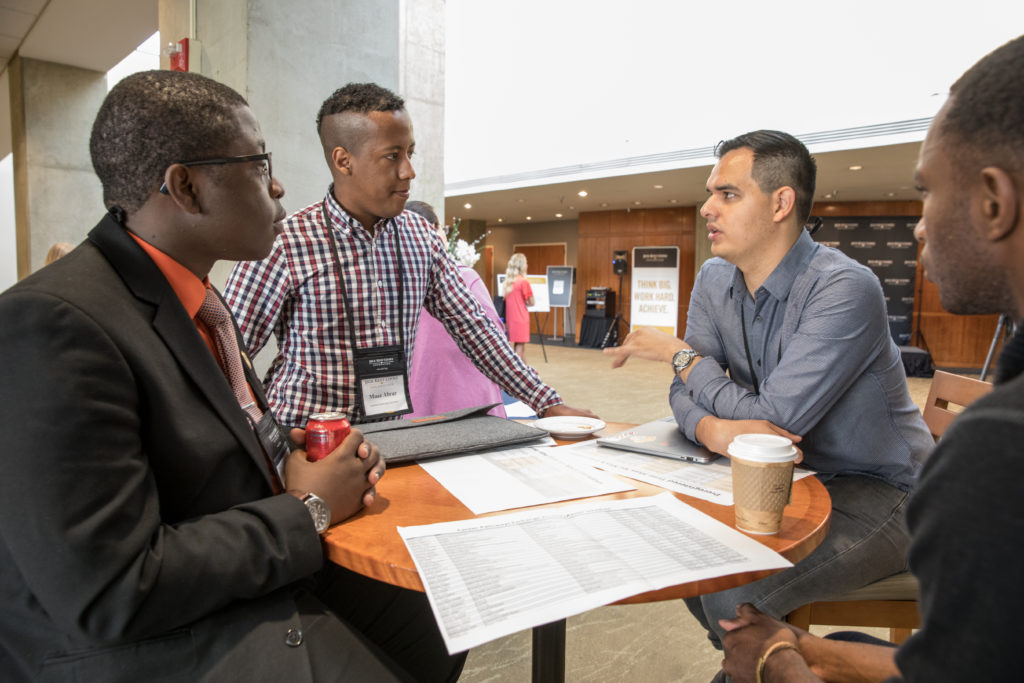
{"type": "Point", "coordinates": [518, 295]}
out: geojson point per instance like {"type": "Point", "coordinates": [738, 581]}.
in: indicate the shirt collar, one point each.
{"type": "Point", "coordinates": [191, 291]}
{"type": "Point", "coordinates": [345, 222]}
{"type": "Point", "coordinates": [782, 278]}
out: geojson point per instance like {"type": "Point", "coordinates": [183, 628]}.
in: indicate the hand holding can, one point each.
{"type": "Point", "coordinates": [324, 433]}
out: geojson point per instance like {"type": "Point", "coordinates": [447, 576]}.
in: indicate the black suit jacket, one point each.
{"type": "Point", "coordinates": [140, 537]}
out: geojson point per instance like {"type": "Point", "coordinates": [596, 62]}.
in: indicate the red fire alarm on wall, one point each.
{"type": "Point", "coordinates": [179, 55]}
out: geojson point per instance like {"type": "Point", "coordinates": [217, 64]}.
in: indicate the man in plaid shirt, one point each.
{"type": "Point", "coordinates": [387, 262]}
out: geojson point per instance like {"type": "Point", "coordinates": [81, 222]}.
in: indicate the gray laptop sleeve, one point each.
{"type": "Point", "coordinates": [458, 431]}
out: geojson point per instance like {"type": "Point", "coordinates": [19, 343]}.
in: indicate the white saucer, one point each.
{"type": "Point", "coordinates": [569, 426]}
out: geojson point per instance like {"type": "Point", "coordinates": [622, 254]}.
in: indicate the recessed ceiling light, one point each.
{"type": "Point", "coordinates": [467, 205]}
{"type": "Point", "coordinates": [572, 208]}
{"type": "Point", "coordinates": [673, 201]}
{"type": "Point", "coordinates": [500, 220]}
{"type": "Point", "coordinates": [659, 187]}
{"type": "Point", "coordinates": [529, 218]}
{"type": "Point", "coordinates": [890, 194]}
{"type": "Point", "coordinates": [520, 200]}
{"type": "Point", "coordinates": [636, 202]}
{"type": "Point", "coordinates": [604, 204]}
{"type": "Point", "coordinates": [558, 215]}
{"type": "Point", "coordinates": [582, 193]}
{"type": "Point", "coordinates": [828, 196]}
{"type": "Point", "coordinates": [856, 167]}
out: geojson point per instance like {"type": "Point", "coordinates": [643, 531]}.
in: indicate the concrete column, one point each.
{"type": "Point", "coordinates": [57, 196]}
{"type": "Point", "coordinates": [287, 58]}
{"type": "Point", "coordinates": [421, 83]}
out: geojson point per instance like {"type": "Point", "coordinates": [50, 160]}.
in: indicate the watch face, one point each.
{"type": "Point", "coordinates": [319, 511]}
{"type": "Point", "coordinates": [682, 359]}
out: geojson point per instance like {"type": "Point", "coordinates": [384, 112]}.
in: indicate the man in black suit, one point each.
{"type": "Point", "coordinates": [145, 533]}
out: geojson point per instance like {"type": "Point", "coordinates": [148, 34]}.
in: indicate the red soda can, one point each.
{"type": "Point", "coordinates": [324, 433]}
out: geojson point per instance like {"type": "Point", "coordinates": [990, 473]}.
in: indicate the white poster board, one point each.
{"type": "Point", "coordinates": [539, 284]}
{"type": "Point", "coordinates": [654, 290]}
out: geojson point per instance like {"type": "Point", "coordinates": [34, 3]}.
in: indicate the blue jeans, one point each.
{"type": "Point", "coordinates": [867, 540]}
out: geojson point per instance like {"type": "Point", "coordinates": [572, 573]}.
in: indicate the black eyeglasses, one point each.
{"type": "Point", "coordinates": [220, 161]}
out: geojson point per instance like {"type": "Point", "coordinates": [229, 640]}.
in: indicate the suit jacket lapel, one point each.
{"type": "Point", "coordinates": [177, 330]}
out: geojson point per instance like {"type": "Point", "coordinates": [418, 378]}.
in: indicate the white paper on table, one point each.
{"type": "Point", "coordinates": [519, 410]}
{"type": "Point", "coordinates": [509, 478]}
{"type": "Point", "coordinates": [486, 578]}
{"type": "Point", "coordinates": [712, 481]}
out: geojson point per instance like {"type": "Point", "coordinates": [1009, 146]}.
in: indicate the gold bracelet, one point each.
{"type": "Point", "coordinates": [772, 649]}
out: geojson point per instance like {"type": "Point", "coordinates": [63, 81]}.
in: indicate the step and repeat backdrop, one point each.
{"type": "Point", "coordinates": [886, 245]}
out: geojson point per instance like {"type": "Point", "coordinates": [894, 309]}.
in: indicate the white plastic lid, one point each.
{"type": "Point", "coordinates": [763, 448]}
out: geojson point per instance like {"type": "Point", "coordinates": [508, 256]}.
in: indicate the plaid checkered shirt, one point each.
{"type": "Point", "coordinates": [294, 295]}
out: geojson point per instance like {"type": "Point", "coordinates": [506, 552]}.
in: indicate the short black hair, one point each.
{"type": "Point", "coordinates": [779, 160]}
{"type": "Point", "coordinates": [984, 120]}
{"type": "Point", "coordinates": [153, 119]}
{"type": "Point", "coordinates": [359, 98]}
{"type": "Point", "coordinates": [423, 209]}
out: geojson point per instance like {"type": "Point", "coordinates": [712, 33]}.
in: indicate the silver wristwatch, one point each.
{"type": "Point", "coordinates": [318, 510]}
{"type": "Point", "coordinates": [682, 360]}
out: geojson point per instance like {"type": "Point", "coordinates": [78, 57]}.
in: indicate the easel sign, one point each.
{"type": "Point", "coordinates": [654, 291]}
{"type": "Point", "coordinates": [541, 304]}
{"type": "Point", "coordinates": [539, 285]}
{"type": "Point", "coordinates": [560, 295]}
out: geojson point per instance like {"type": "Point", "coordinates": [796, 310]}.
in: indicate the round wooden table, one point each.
{"type": "Point", "coordinates": [369, 543]}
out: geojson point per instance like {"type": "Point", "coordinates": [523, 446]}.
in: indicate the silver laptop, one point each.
{"type": "Point", "coordinates": [660, 437]}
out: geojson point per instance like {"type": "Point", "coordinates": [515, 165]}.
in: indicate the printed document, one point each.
{"type": "Point", "coordinates": [489, 577]}
{"type": "Point", "coordinates": [514, 477]}
{"type": "Point", "coordinates": [712, 481]}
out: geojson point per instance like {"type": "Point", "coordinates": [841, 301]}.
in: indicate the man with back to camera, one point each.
{"type": "Point", "coordinates": [803, 332]}
{"type": "Point", "coordinates": [964, 517]}
{"type": "Point", "coordinates": [146, 534]}
{"type": "Point", "coordinates": [330, 291]}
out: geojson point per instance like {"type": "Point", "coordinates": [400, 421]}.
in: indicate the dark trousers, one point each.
{"type": "Point", "coordinates": [396, 622]}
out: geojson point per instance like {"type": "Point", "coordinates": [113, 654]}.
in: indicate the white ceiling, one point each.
{"type": "Point", "coordinates": [97, 34]}
{"type": "Point", "coordinates": [90, 34]}
{"type": "Point", "coordinates": [886, 175]}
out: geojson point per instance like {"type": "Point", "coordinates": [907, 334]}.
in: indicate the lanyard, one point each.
{"type": "Point", "coordinates": [344, 292]}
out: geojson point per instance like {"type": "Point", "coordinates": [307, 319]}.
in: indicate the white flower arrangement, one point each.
{"type": "Point", "coordinates": [465, 254]}
{"type": "Point", "coordinates": [462, 251]}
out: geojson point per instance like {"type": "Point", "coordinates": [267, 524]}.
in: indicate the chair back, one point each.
{"type": "Point", "coordinates": [949, 391]}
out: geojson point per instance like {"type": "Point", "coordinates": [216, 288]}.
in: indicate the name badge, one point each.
{"type": "Point", "coordinates": [382, 382]}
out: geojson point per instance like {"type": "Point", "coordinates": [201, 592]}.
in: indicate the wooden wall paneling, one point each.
{"type": "Point", "coordinates": [489, 269]}
{"type": "Point", "coordinates": [602, 233]}
{"type": "Point", "coordinates": [954, 341]}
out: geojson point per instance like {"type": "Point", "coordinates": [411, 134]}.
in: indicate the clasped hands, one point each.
{"type": "Point", "coordinates": [346, 479]}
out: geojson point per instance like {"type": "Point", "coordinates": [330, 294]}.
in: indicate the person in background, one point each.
{"type": "Point", "coordinates": [441, 378]}
{"type": "Point", "coordinates": [344, 284]}
{"type": "Point", "coordinates": [803, 332]}
{"type": "Point", "coordinates": [145, 533]}
{"type": "Point", "coordinates": [965, 516]}
{"type": "Point", "coordinates": [518, 295]}
{"type": "Point", "coordinates": [58, 250]}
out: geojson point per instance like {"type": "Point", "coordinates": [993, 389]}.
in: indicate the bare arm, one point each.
{"type": "Point", "coordinates": [750, 635]}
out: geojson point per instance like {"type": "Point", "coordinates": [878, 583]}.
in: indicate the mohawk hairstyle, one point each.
{"type": "Point", "coordinates": [359, 98]}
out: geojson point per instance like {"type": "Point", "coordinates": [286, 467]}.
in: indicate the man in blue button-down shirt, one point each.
{"type": "Point", "coordinates": [802, 331]}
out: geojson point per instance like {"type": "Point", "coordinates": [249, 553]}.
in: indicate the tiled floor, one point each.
{"type": "Point", "coordinates": [652, 642]}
